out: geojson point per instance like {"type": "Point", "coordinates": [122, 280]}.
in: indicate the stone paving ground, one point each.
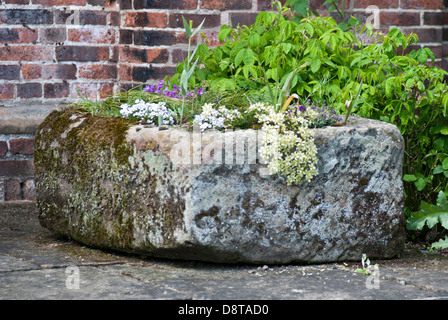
{"type": "Point", "coordinates": [35, 265]}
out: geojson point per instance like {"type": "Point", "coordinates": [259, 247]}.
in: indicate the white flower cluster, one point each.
{"type": "Point", "coordinates": [289, 147]}
{"type": "Point", "coordinates": [211, 118]}
{"type": "Point", "coordinates": [151, 112]}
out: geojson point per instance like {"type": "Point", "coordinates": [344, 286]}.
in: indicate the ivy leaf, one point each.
{"type": "Point", "coordinates": [430, 214]}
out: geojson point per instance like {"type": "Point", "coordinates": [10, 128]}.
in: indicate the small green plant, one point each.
{"type": "Point", "coordinates": [366, 267]}
{"type": "Point", "coordinates": [282, 98]}
{"type": "Point", "coordinates": [189, 68]}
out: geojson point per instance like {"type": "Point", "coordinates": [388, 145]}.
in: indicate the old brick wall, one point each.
{"type": "Point", "coordinates": [52, 49]}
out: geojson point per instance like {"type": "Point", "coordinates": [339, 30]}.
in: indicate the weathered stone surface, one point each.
{"type": "Point", "coordinates": [110, 184]}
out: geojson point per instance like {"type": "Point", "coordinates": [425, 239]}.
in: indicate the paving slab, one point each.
{"type": "Point", "coordinates": [36, 265]}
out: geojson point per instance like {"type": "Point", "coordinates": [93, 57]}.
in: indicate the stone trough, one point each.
{"type": "Point", "coordinates": [169, 193]}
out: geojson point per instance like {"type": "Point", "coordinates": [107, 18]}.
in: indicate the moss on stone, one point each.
{"type": "Point", "coordinates": [87, 178]}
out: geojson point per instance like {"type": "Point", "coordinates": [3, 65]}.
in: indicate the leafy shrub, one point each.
{"type": "Point", "coordinates": [396, 86]}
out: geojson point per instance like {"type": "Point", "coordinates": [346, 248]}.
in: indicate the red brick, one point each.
{"type": "Point", "coordinates": [29, 90]}
{"type": "Point", "coordinates": [125, 72]}
{"type": "Point", "coordinates": [102, 3]}
{"type": "Point", "coordinates": [115, 19]}
{"type": "Point", "coordinates": [3, 148]}
{"type": "Point", "coordinates": [21, 146]}
{"type": "Point", "coordinates": [400, 18]}
{"type": "Point", "coordinates": [59, 71]}
{"type": "Point", "coordinates": [143, 74]}
{"type": "Point", "coordinates": [426, 34]}
{"type": "Point", "coordinates": [49, 71]}
{"type": "Point", "coordinates": [179, 55]}
{"type": "Point", "coordinates": [125, 4]}
{"type": "Point", "coordinates": [166, 4]}
{"type": "Point", "coordinates": [18, 35]}
{"type": "Point", "coordinates": [265, 5]}
{"type": "Point", "coordinates": [52, 35]}
{"type": "Point", "coordinates": [56, 90]}
{"type": "Point", "coordinates": [81, 53]}
{"type": "Point", "coordinates": [106, 90]}
{"type": "Point", "coordinates": [382, 4]}
{"type": "Point", "coordinates": [421, 4]}
{"type": "Point", "coordinates": [6, 91]}
{"type": "Point", "coordinates": [126, 36]}
{"type": "Point", "coordinates": [159, 38]}
{"type": "Point", "coordinates": [92, 17]}
{"type": "Point", "coordinates": [115, 54]}
{"type": "Point", "coordinates": [445, 49]}
{"type": "Point", "coordinates": [17, 1]}
{"type": "Point", "coordinates": [92, 35]}
{"type": "Point", "coordinates": [98, 71]}
{"type": "Point", "coordinates": [9, 72]}
{"type": "Point", "coordinates": [85, 89]}
{"type": "Point", "coordinates": [51, 3]}
{"type": "Point", "coordinates": [28, 16]}
{"type": "Point", "coordinates": [242, 19]}
{"type": "Point", "coordinates": [135, 55]}
{"type": "Point", "coordinates": [433, 18]}
{"type": "Point", "coordinates": [31, 71]}
{"type": "Point", "coordinates": [29, 191]}
{"type": "Point", "coordinates": [211, 20]}
{"type": "Point", "coordinates": [26, 53]}
{"type": "Point", "coordinates": [146, 19]}
{"type": "Point", "coordinates": [13, 190]}
{"type": "Point", "coordinates": [437, 64]}
{"type": "Point", "coordinates": [14, 168]}
{"type": "Point", "coordinates": [226, 4]}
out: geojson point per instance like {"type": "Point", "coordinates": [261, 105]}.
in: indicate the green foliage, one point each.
{"type": "Point", "coordinates": [430, 215]}
{"type": "Point", "coordinates": [301, 9]}
{"type": "Point", "coordinates": [366, 267]}
{"type": "Point", "coordinates": [189, 68]}
{"type": "Point", "coordinates": [272, 51]}
{"type": "Point", "coordinates": [441, 244]}
{"type": "Point", "coordinates": [395, 87]}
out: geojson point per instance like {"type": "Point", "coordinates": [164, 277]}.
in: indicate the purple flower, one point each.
{"type": "Point", "coordinates": [149, 89]}
{"type": "Point", "coordinates": [302, 108]}
{"type": "Point", "coordinates": [159, 87]}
